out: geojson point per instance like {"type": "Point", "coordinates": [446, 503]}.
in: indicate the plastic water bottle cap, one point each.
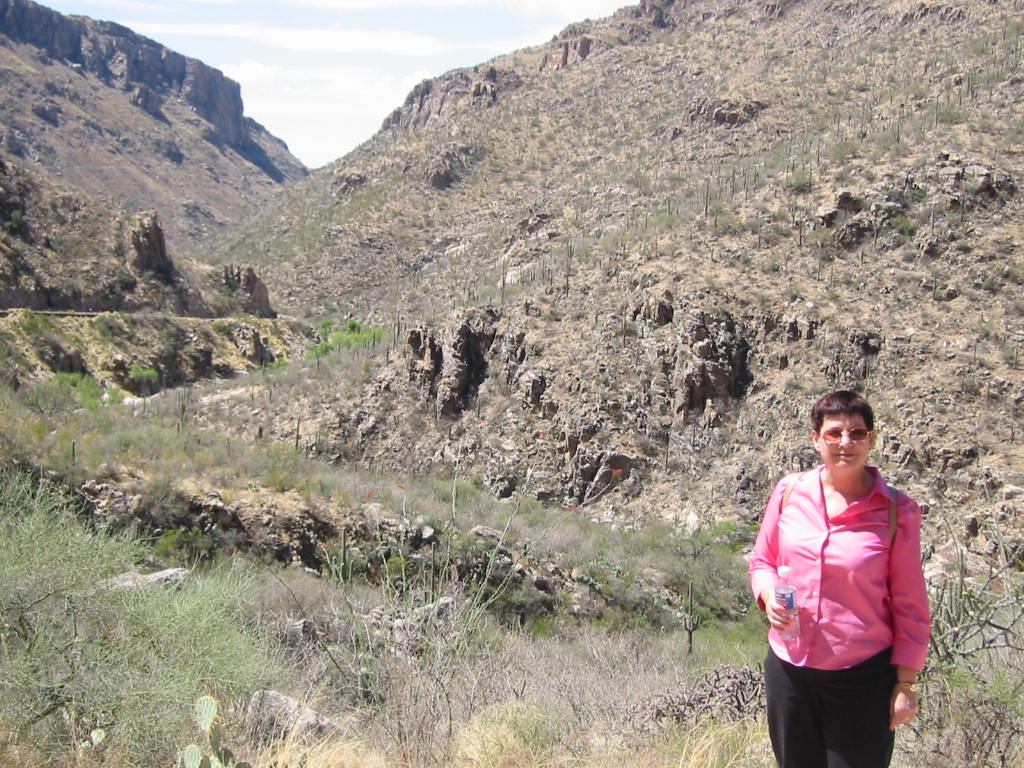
{"type": "Point", "coordinates": [784, 571]}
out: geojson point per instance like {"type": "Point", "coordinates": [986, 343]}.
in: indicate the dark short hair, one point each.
{"type": "Point", "coordinates": [841, 401]}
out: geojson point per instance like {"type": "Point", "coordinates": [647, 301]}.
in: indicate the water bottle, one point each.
{"type": "Point", "coordinates": [785, 593]}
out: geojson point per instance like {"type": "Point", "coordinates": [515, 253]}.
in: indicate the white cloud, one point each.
{"type": "Point", "coordinates": [387, 42]}
{"type": "Point", "coordinates": [562, 11]}
{"type": "Point", "coordinates": [390, 42]}
{"type": "Point", "coordinates": [322, 112]}
{"type": "Point", "coordinates": [325, 110]}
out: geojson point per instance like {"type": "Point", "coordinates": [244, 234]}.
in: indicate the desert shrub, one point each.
{"type": "Point", "coordinates": [80, 654]}
{"type": "Point", "coordinates": [975, 713]}
{"type": "Point", "coordinates": [799, 183]}
{"type": "Point", "coordinates": [224, 327]}
{"type": "Point", "coordinates": [352, 336]}
{"type": "Point", "coordinates": [843, 151]}
{"type": "Point", "coordinates": [904, 226]}
{"type": "Point", "coordinates": [31, 323]}
{"type": "Point", "coordinates": [17, 223]}
{"type": "Point", "coordinates": [48, 397]}
{"type": "Point", "coordinates": [111, 325]}
{"type": "Point", "coordinates": [88, 392]}
{"type": "Point", "coordinates": [509, 734]}
{"type": "Point", "coordinates": [974, 683]}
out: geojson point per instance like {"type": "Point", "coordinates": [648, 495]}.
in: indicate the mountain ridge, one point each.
{"type": "Point", "coordinates": [118, 114]}
{"type": "Point", "coordinates": [615, 281]}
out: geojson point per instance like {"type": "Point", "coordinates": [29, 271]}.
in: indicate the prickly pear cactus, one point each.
{"type": "Point", "coordinates": [192, 756]}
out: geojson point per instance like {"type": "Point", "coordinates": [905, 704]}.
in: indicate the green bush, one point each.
{"type": "Point", "coordinates": [17, 222]}
{"type": "Point", "coordinates": [89, 393]}
{"type": "Point", "coordinates": [353, 336]}
{"type": "Point", "coordinates": [31, 323]}
{"type": "Point", "coordinates": [147, 380]}
{"type": "Point", "coordinates": [78, 654]}
{"type": "Point", "coordinates": [48, 397]}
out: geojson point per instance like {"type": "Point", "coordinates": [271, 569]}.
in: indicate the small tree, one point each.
{"type": "Point", "coordinates": [146, 380]}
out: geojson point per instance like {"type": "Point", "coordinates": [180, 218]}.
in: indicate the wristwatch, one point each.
{"type": "Point", "coordinates": [910, 685]}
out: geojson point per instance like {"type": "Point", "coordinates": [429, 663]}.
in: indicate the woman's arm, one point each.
{"type": "Point", "coordinates": [903, 703]}
{"type": "Point", "coordinates": [764, 559]}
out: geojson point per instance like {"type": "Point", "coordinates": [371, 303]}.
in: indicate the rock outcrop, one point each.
{"type": "Point", "coordinates": [566, 53]}
{"type": "Point", "coordinates": [150, 248]}
{"type": "Point", "coordinates": [459, 90]}
{"type": "Point", "coordinates": [449, 163]}
{"type": "Point", "coordinates": [728, 112]}
{"type": "Point", "coordinates": [249, 284]}
{"type": "Point", "coordinates": [450, 370]}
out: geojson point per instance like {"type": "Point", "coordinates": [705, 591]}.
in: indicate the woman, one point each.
{"type": "Point", "coordinates": [838, 691]}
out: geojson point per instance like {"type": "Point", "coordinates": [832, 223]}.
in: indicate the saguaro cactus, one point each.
{"type": "Point", "coordinates": [691, 621]}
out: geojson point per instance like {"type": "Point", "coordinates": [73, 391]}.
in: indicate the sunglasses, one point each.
{"type": "Point", "coordinates": [835, 436]}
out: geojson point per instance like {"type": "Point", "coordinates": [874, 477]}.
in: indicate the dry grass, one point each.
{"type": "Point", "coordinates": [520, 735]}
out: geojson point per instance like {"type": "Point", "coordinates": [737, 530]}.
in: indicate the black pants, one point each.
{"type": "Point", "coordinates": [830, 718]}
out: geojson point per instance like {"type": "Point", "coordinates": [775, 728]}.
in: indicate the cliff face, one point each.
{"type": "Point", "coordinates": [130, 62]}
{"type": "Point", "coordinates": [116, 113]}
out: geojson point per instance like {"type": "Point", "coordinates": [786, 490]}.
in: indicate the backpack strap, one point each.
{"type": "Point", "coordinates": [786, 494]}
{"type": "Point", "coordinates": [893, 514]}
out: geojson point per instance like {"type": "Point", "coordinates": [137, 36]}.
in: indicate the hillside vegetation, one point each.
{"type": "Point", "coordinates": [644, 265]}
{"type": "Point", "coordinates": [566, 314]}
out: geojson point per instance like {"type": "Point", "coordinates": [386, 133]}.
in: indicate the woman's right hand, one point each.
{"type": "Point", "coordinates": [777, 616]}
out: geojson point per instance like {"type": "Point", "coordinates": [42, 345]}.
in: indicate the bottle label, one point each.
{"type": "Point", "coordinates": [787, 597]}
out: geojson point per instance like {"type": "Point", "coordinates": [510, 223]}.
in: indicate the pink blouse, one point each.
{"type": "Point", "coordinates": [855, 597]}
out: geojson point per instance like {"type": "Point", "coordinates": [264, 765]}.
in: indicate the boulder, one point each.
{"type": "Point", "coordinates": [271, 715]}
{"type": "Point", "coordinates": [166, 579]}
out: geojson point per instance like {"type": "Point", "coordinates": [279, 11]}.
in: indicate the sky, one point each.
{"type": "Point", "coordinates": [323, 74]}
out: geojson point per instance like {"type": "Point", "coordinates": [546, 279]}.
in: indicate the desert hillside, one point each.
{"type": "Point", "coordinates": [482, 492]}
{"type": "Point", "coordinates": [641, 251]}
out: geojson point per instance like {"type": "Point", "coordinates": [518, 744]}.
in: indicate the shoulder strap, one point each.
{"type": "Point", "coordinates": [786, 494]}
{"type": "Point", "coordinates": [893, 513]}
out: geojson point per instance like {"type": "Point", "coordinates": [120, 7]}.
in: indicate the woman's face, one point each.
{"type": "Point", "coordinates": [844, 441]}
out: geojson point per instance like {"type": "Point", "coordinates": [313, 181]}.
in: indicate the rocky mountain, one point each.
{"type": "Point", "coordinates": [117, 115]}
{"type": "Point", "coordinates": [621, 266]}
{"type": "Point", "coordinates": [618, 268]}
{"type": "Point", "coordinates": [603, 279]}
{"type": "Point", "coordinates": [115, 154]}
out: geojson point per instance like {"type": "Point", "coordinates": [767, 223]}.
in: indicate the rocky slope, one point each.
{"type": "Point", "coordinates": [115, 114]}
{"type": "Point", "coordinates": [87, 288]}
{"type": "Point", "coordinates": [620, 267]}
{"type": "Point", "coordinates": [116, 152]}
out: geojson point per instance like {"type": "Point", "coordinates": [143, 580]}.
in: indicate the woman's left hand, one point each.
{"type": "Point", "coordinates": [902, 707]}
